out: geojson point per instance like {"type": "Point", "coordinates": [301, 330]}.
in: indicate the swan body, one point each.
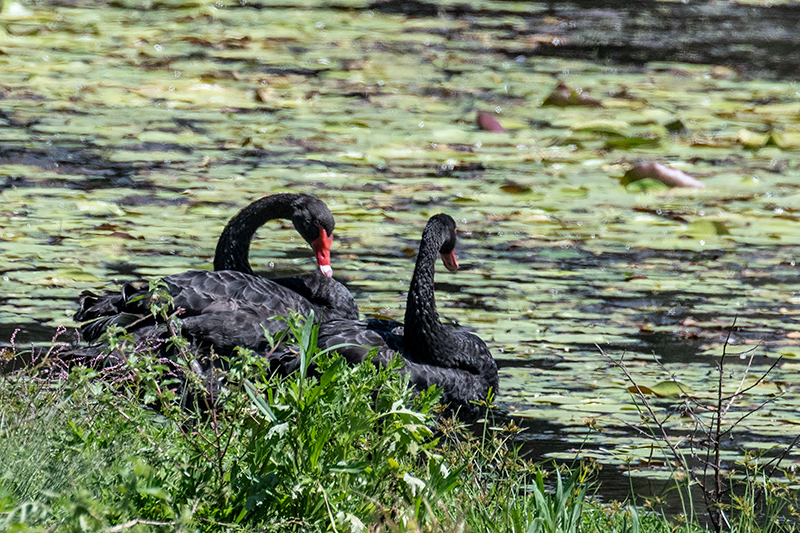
{"type": "Point", "coordinates": [457, 362]}
{"type": "Point", "coordinates": [231, 306]}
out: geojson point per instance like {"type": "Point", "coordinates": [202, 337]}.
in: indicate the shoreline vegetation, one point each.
{"type": "Point", "coordinates": [132, 132]}
{"type": "Point", "coordinates": [126, 448]}
{"type": "Point", "coordinates": [625, 179]}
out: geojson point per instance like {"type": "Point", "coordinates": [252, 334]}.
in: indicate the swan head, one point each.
{"type": "Point", "coordinates": [448, 249]}
{"type": "Point", "coordinates": [314, 221]}
{"type": "Point", "coordinates": [450, 261]}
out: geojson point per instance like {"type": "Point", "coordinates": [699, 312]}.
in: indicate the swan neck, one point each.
{"type": "Point", "coordinates": [423, 330]}
{"type": "Point", "coordinates": [233, 247]}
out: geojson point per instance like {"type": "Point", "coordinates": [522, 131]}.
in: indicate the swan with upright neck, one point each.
{"type": "Point", "coordinates": [458, 363]}
{"type": "Point", "coordinates": [232, 307]}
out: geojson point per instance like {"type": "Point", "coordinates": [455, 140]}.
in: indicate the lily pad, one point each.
{"type": "Point", "coordinates": [663, 389]}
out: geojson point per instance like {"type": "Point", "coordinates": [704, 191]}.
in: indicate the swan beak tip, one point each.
{"type": "Point", "coordinates": [322, 251]}
{"type": "Point", "coordinates": [450, 261]}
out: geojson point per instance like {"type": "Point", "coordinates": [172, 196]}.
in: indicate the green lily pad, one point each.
{"type": "Point", "coordinates": [707, 228]}
{"type": "Point", "coordinates": [663, 389]}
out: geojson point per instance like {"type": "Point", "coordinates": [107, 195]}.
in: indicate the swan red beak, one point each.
{"type": "Point", "coordinates": [450, 261]}
{"type": "Point", "coordinates": [322, 250]}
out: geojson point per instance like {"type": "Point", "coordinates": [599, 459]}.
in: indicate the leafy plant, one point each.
{"type": "Point", "coordinates": [704, 446]}
{"type": "Point", "coordinates": [338, 448]}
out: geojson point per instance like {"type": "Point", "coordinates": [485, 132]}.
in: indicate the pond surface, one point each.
{"type": "Point", "coordinates": [130, 134]}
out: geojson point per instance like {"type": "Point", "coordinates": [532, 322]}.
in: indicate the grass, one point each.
{"type": "Point", "coordinates": [342, 449]}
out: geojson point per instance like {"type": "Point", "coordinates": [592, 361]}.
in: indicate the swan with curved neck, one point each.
{"type": "Point", "coordinates": [311, 218]}
{"type": "Point", "coordinates": [232, 307]}
{"type": "Point", "coordinates": [458, 363]}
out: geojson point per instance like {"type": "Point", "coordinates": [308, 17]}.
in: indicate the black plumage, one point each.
{"type": "Point", "coordinates": [231, 307]}
{"type": "Point", "coordinates": [457, 362]}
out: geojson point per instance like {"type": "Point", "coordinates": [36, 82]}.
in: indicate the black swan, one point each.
{"type": "Point", "coordinates": [314, 222]}
{"type": "Point", "coordinates": [231, 307]}
{"type": "Point", "coordinates": [310, 216]}
{"type": "Point", "coordinates": [457, 362]}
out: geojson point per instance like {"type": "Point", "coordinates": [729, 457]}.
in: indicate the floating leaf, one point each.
{"type": "Point", "coordinates": [510, 124]}
{"type": "Point", "coordinates": [487, 122]}
{"type": "Point", "coordinates": [564, 96]}
{"type": "Point", "coordinates": [663, 389]}
{"type": "Point", "coordinates": [785, 140]}
{"type": "Point", "coordinates": [656, 171]}
{"type": "Point", "coordinates": [646, 185]}
{"type": "Point", "coordinates": [629, 276]}
{"type": "Point", "coordinates": [515, 188]}
{"type": "Point", "coordinates": [618, 127]}
{"type": "Point", "coordinates": [632, 142]}
{"type": "Point", "coordinates": [703, 228]}
{"type": "Point", "coordinates": [575, 192]}
{"type": "Point", "coordinates": [666, 389]}
{"type": "Point", "coordinates": [15, 10]}
{"type": "Point", "coordinates": [122, 235]}
{"type": "Point", "coordinates": [65, 278]}
{"type": "Point", "coordinates": [752, 140]}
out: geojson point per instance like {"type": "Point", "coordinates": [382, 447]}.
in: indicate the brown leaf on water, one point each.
{"type": "Point", "coordinates": [721, 72]}
{"type": "Point", "coordinates": [515, 188]}
{"type": "Point", "coordinates": [224, 44]}
{"type": "Point", "coordinates": [523, 243]}
{"type": "Point", "coordinates": [565, 96]}
{"type": "Point", "coordinates": [656, 171]}
{"type": "Point", "coordinates": [265, 94]}
{"type": "Point", "coordinates": [354, 63]}
{"type": "Point", "coordinates": [537, 39]}
{"type": "Point", "coordinates": [487, 122]}
{"type": "Point", "coordinates": [122, 235]}
{"type": "Point", "coordinates": [105, 226]}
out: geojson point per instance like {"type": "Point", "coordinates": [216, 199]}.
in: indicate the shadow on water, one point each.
{"type": "Point", "coordinates": [758, 40]}
{"type": "Point", "coordinates": [26, 333]}
{"type": "Point", "coordinates": [627, 482]}
{"type": "Point", "coordinates": [667, 347]}
{"type": "Point", "coordinates": [541, 438]}
{"type": "Point", "coordinates": [98, 171]}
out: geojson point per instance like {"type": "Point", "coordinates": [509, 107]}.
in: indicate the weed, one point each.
{"type": "Point", "coordinates": [149, 446]}
{"type": "Point", "coordinates": [703, 446]}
